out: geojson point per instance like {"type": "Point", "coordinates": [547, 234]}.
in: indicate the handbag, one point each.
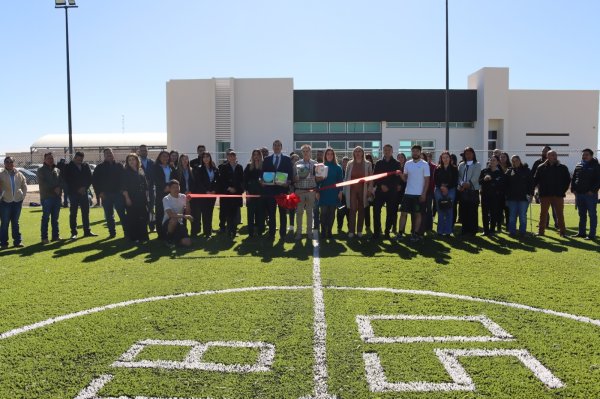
{"type": "Point", "coordinates": [469, 196]}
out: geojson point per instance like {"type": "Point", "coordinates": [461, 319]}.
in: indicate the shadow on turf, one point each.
{"type": "Point", "coordinates": [436, 248]}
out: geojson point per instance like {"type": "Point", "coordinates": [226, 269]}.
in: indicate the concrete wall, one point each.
{"type": "Point", "coordinates": [264, 111]}
{"type": "Point", "coordinates": [551, 111]}
{"type": "Point", "coordinates": [191, 114]}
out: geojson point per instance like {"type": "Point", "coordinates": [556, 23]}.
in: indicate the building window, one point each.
{"type": "Point", "coordinates": [405, 146]}
{"type": "Point", "coordinates": [302, 127]}
{"type": "Point", "coordinates": [413, 125]}
{"type": "Point", "coordinates": [492, 140]}
{"type": "Point", "coordinates": [338, 145]}
{"type": "Point", "coordinates": [337, 127]}
{"type": "Point", "coordinates": [221, 155]}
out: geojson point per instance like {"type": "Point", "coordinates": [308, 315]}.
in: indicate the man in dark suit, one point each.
{"type": "Point", "coordinates": [277, 162]}
{"type": "Point", "coordinates": [79, 179]}
{"type": "Point", "coordinates": [230, 181]}
{"type": "Point", "coordinates": [147, 165]}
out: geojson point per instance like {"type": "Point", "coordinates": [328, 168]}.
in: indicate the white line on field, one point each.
{"type": "Point", "coordinates": [320, 327]}
{"type": "Point", "coordinates": [581, 319]}
{"type": "Point", "coordinates": [91, 391]}
{"type": "Point", "coordinates": [98, 309]}
{"type": "Point", "coordinates": [47, 322]}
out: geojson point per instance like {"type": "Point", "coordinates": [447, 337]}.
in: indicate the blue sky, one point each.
{"type": "Point", "coordinates": [123, 52]}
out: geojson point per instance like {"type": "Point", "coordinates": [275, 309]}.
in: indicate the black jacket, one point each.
{"type": "Point", "coordinates": [552, 180]}
{"type": "Point", "coordinates": [519, 183]}
{"type": "Point", "coordinates": [229, 178]}
{"type": "Point", "coordinates": [252, 180]}
{"type": "Point", "coordinates": [392, 181]}
{"type": "Point", "coordinates": [136, 186]}
{"type": "Point", "coordinates": [159, 180]}
{"type": "Point", "coordinates": [77, 178]}
{"type": "Point", "coordinates": [107, 178]}
{"type": "Point", "coordinates": [494, 187]}
{"type": "Point", "coordinates": [183, 185]}
{"type": "Point", "coordinates": [446, 176]}
{"type": "Point", "coordinates": [586, 177]}
{"type": "Point", "coordinates": [202, 183]}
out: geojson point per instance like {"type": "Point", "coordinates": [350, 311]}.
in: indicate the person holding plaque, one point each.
{"type": "Point", "coordinates": [281, 166]}
{"type": "Point", "coordinates": [305, 182]}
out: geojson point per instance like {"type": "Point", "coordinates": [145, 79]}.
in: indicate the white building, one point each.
{"type": "Point", "coordinates": [249, 113]}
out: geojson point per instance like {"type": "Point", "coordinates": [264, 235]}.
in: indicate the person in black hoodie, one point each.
{"type": "Point", "coordinates": [78, 177]}
{"type": "Point", "coordinates": [552, 180]}
{"type": "Point", "coordinates": [519, 192]}
{"type": "Point", "coordinates": [491, 180]}
{"type": "Point", "coordinates": [205, 182]}
{"type": "Point", "coordinates": [106, 181]}
{"type": "Point", "coordinates": [585, 185]}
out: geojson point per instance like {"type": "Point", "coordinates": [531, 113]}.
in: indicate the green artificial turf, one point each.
{"type": "Point", "coordinates": [57, 361]}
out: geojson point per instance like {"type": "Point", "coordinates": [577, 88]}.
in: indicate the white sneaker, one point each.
{"type": "Point", "coordinates": [350, 235]}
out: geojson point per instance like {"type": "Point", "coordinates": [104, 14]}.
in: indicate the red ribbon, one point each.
{"type": "Point", "coordinates": [290, 201]}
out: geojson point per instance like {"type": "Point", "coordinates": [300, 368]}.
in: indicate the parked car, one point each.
{"type": "Point", "coordinates": [30, 177]}
{"type": "Point", "coordinates": [33, 167]}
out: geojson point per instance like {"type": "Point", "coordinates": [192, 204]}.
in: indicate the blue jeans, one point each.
{"type": "Point", "coordinates": [517, 209]}
{"type": "Point", "coordinates": [445, 216]}
{"type": "Point", "coordinates": [9, 214]}
{"type": "Point", "coordinates": [50, 210]}
{"type": "Point", "coordinates": [114, 202]}
{"type": "Point", "coordinates": [586, 204]}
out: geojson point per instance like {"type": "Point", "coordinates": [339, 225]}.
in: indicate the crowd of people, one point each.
{"type": "Point", "coordinates": [175, 196]}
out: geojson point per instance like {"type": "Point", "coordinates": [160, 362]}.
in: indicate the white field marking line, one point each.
{"type": "Point", "coordinates": [91, 391]}
{"type": "Point", "coordinates": [461, 379]}
{"type": "Point", "coordinates": [320, 328]}
{"type": "Point", "coordinates": [98, 309]}
{"type": "Point", "coordinates": [378, 382]}
{"type": "Point", "coordinates": [367, 334]}
{"type": "Point", "coordinates": [57, 319]}
{"type": "Point", "coordinates": [193, 361]}
{"type": "Point", "coordinates": [581, 319]}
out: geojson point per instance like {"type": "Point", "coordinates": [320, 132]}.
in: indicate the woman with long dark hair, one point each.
{"type": "Point", "coordinates": [468, 192]}
{"type": "Point", "coordinates": [330, 198]}
{"type": "Point", "coordinates": [446, 179]}
{"type": "Point", "coordinates": [505, 163]}
{"type": "Point", "coordinates": [255, 207]}
{"type": "Point", "coordinates": [162, 174]}
{"type": "Point", "coordinates": [135, 191]}
{"type": "Point", "coordinates": [491, 181]}
{"type": "Point", "coordinates": [401, 158]}
{"type": "Point", "coordinates": [184, 174]}
{"type": "Point", "coordinates": [205, 182]}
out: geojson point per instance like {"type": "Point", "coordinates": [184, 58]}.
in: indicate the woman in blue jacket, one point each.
{"type": "Point", "coordinates": [330, 198]}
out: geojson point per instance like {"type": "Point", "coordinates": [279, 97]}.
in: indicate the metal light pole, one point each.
{"type": "Point", "coordinates": [63, 4]}
{"type": "Point", "coordinates": [447, 86]}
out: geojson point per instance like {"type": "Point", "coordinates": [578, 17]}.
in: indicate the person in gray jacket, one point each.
{"type": "Point", "coordinates": [468, 192]}
{"type": "Point", "coordinates": [13, 189]}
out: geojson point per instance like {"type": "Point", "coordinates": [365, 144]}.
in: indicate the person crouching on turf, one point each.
{"type": "Point", "coordinates": [177, 210]}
